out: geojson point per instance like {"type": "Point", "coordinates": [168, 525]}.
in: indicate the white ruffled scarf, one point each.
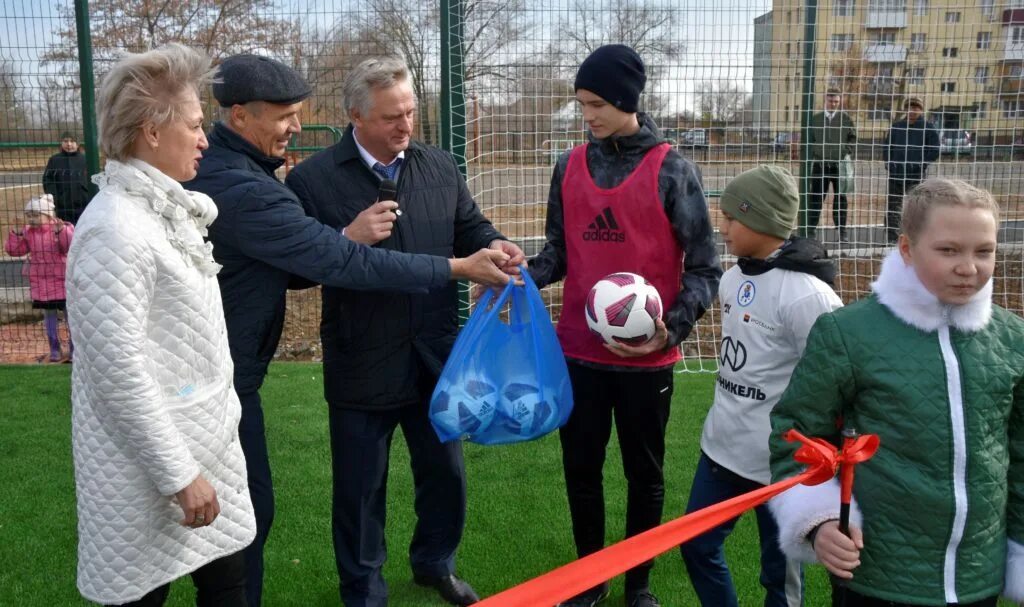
{"type": "Point", "coordinates": [900, 290]}
{"type": "Point", "coordinates": [186, 213]}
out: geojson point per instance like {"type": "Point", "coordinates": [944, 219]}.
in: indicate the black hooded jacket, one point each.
{"type": "Point", "coordinates": [680, 187]}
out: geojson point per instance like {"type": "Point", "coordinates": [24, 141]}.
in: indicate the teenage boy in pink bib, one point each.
{"type": "Point", "coordinates": [623, 202]}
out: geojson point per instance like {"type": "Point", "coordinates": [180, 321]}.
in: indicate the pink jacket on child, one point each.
{"type": "Point", "coordinates": [48, 245]}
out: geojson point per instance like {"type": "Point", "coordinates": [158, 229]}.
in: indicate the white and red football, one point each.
{"type": "Point", "coordinates": [622, 308]}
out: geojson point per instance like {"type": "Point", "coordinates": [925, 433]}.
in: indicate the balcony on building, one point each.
{"type": "Point", "coordinates": [883, 86]}
{"type": "Point", "coordinates": [885, 53]}
{"type": "Point", "coordinates": [885, 18]}
{"type": "Point", "coordinates": [1010, 81]}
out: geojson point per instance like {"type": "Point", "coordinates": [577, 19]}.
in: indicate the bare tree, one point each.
{"type": "Point", "coordinates": [13, 118]}
{"type": "Point", "coordinates": [646, 26]}
{"type": "Point", "coordinates": [720, 101]}
{"type": "Point", "coordinates": [58, 103]}
{"type": "Point", "coordinates": [218, 27]}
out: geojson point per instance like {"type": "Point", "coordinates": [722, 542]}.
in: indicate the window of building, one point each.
{"type": "Point", "coordinates": [785, 114]}
{"type": "Point", "coordinates": [840, 43]}
{"type": "Point", "coordinates": [948, 87]}
{"type": "Point", "coordinates": [1016, 70]}
{"type": "Point", "coordinates": [1017, 35]}
{"type": "Point", "coordinates": [950, 51]}
{"type": "Point", "coordinates": [988, 7]}
{"type": "Point", "coordinates": [984, 40]}
{"type": "Point", "coordinates": [1013, 108]}
{"type": "Point", "coordinates": [843, 8]}
{"type": "Point", "coordinates": [888, 6]}
{"type": "Point", "coordinates": [920, 8]}
{"type": "Point", "coordinates": [917, 42]}
{"type": "Point", "coordinates": [981, 110]}
{"type": "Point", "coordinates": [915, 76]}
{"type": "Point", "coordinates": [885, 38]}
{"type": "Point", "coordinates": [981, 74]}
{"type": "Point", "coordinates": [953, 17]}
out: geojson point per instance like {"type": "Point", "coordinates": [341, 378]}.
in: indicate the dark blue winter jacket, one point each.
{"type": "Point", "coordinates": [910, 148]}
{"type": "Point", "coordinates": [263, 237]}
{"type": "Point", "coordinates": [380, 348]}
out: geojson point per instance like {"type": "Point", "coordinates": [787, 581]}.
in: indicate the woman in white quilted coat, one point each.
{"type": "Point", "coordinates": [159, 472]}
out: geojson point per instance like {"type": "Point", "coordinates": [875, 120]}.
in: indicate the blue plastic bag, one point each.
{"type": "Point", "coordinates": [504, 382]}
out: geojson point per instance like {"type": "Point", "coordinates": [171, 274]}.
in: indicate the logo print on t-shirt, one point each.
{"type": "Point", "coordinates": [745, 295]}
{"type": "Point", "coordinates": [732, 353]}
{"type": "Point", "coordinates": [604, 228]}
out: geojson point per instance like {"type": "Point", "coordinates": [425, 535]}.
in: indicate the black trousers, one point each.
{"type": "Point", "coordinates": [859, 600]}
{"type": "Point", "coordinates": [639, 403]}
{"type": "Point", "coordinates": [360, 449]}
{"type": "Point", "coordinates": [822, 175]}
{"type": "Point", "coordinates": [899, 185]}
{"type": "Point", "coordinates": [253, 438]}
{"type": "Point", "coordinates": [219, 583]}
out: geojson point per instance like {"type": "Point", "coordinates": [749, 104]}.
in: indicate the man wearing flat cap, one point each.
{"type": "Point", "coordinates": [912, 144]}
{"type": "Point", "coordinates": [266, 242]}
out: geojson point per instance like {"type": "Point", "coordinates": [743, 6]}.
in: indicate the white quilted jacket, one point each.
{"type": "Point", "coordinates": [153, 403]}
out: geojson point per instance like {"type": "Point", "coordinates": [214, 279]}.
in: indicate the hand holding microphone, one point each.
{"type": "Point", "coordinates": [376, 222]}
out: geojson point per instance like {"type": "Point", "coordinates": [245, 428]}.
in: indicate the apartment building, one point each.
{"type": "Point", "coordinates": [965, 59]}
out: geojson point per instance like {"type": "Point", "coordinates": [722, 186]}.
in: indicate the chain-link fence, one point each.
{"type": "Point", "coordinates": [732, 85]}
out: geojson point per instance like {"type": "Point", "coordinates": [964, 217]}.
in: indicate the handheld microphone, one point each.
{"type": "Point", "coordinates": [388, 191]}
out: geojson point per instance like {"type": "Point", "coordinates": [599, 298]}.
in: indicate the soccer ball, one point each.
{"type": "Point", "coordinates": [523, 412]}
{"type": "Point", "coordinates": [622, 308]}
{"type": "Point", "coordinates": [464, 409]}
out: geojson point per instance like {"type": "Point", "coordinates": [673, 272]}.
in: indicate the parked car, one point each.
{"type": "Point", "coordinates": [694, 138]}
{"type": "Point", "coordinates": [955, 142]}
{"type": "Point", "coordinates": [787, 141]}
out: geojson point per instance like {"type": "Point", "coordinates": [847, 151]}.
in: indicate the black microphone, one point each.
{"type": "Point", "coordinates": [388, 191]}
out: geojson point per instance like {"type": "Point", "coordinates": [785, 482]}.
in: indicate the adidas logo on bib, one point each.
{"type": "Point", "coordinates": [604, 228]}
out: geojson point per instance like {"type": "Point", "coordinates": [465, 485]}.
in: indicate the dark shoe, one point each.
{"type": "Point", "coordinates": [844, 237]}
{"type": "Point", "coordinates": [642, 599]}
{"type": "Point", "coordinates": [451, 588]}
{"type": "Point", "coordinates": [589, 598]}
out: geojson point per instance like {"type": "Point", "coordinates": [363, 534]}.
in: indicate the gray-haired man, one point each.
{"type": "Point", "coordinates": [382, 352]}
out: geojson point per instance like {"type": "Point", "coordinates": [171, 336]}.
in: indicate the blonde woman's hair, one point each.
{"type": "Point", "coordinates": [147, 87]}
{"type": "Point", "coordinates": [942, 192]}
{"type": "Point", "coordinates": [370, 74]}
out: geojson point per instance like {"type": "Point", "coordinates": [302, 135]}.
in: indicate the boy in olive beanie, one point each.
{"type": "Point", "coordinates": [769, 300]}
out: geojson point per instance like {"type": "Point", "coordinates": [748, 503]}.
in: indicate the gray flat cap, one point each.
{"type": "Point", "coordinates": [245, 78]}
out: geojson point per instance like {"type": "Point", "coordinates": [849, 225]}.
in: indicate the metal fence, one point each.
{"type": "Point", "coordinates": [732, 84]}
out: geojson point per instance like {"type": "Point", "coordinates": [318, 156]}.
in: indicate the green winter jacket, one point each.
{"type": "Point", "coordinates": [943, 388]}
{"type": "Point", "coordinates": [831, 141]}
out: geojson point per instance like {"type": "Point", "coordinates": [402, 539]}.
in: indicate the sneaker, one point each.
{"type": "Point", "coordinates": [589, 598]}
{"type": "Point", "coordinates": [642, 599]}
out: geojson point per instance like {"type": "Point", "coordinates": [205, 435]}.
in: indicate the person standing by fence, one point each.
{"type": "Point", "coordinates": [830, 139]}
{"type": "Point", "coordinates": [912, 144]}
{"type": "Point", "coordinates": [66, 178]}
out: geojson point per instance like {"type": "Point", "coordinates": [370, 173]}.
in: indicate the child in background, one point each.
{"type": "Point", "coordinates": [932, 367]}
{"type": "Point", "coordinates": [45, 239]}
{"type": "Point", "coordinates": [769, 300]}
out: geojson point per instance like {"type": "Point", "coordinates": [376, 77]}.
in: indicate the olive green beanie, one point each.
{"type": "Point", "coordinates": [764, 199]}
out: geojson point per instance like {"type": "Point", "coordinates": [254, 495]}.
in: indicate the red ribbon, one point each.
{"type": "Point", "coordinates": [558, 585]}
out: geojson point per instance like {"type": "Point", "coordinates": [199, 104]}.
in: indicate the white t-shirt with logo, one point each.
{"type": "Point", "coordinates": [765, 322]}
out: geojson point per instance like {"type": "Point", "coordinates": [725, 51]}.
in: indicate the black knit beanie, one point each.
{"type": "Point", "coordinates": [615, 73]}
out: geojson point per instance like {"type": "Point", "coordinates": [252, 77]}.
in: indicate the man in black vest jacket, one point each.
{"type": "Point", "coordinates": [67, 179]}
{"type": "Point", "coordinates": [265, 241]}
{"type": "Point", "coordinates": [384, 352]}
{"type": "Point", "coordinates": [911, 146]}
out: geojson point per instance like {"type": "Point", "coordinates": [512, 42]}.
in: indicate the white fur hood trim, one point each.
{"type": "Point", "coordinates": [900, 290]}
{"type": "Point", "coordinates": [802, 508]}
{"type": "Point", "coordinates": [1013, 586]}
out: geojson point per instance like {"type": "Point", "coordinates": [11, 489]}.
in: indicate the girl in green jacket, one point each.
{"type": "Point", "coordinates": [932, 367]}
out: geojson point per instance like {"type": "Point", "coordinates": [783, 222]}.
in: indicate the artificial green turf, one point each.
{"type": "Point", "coordinates": [517, 522]}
